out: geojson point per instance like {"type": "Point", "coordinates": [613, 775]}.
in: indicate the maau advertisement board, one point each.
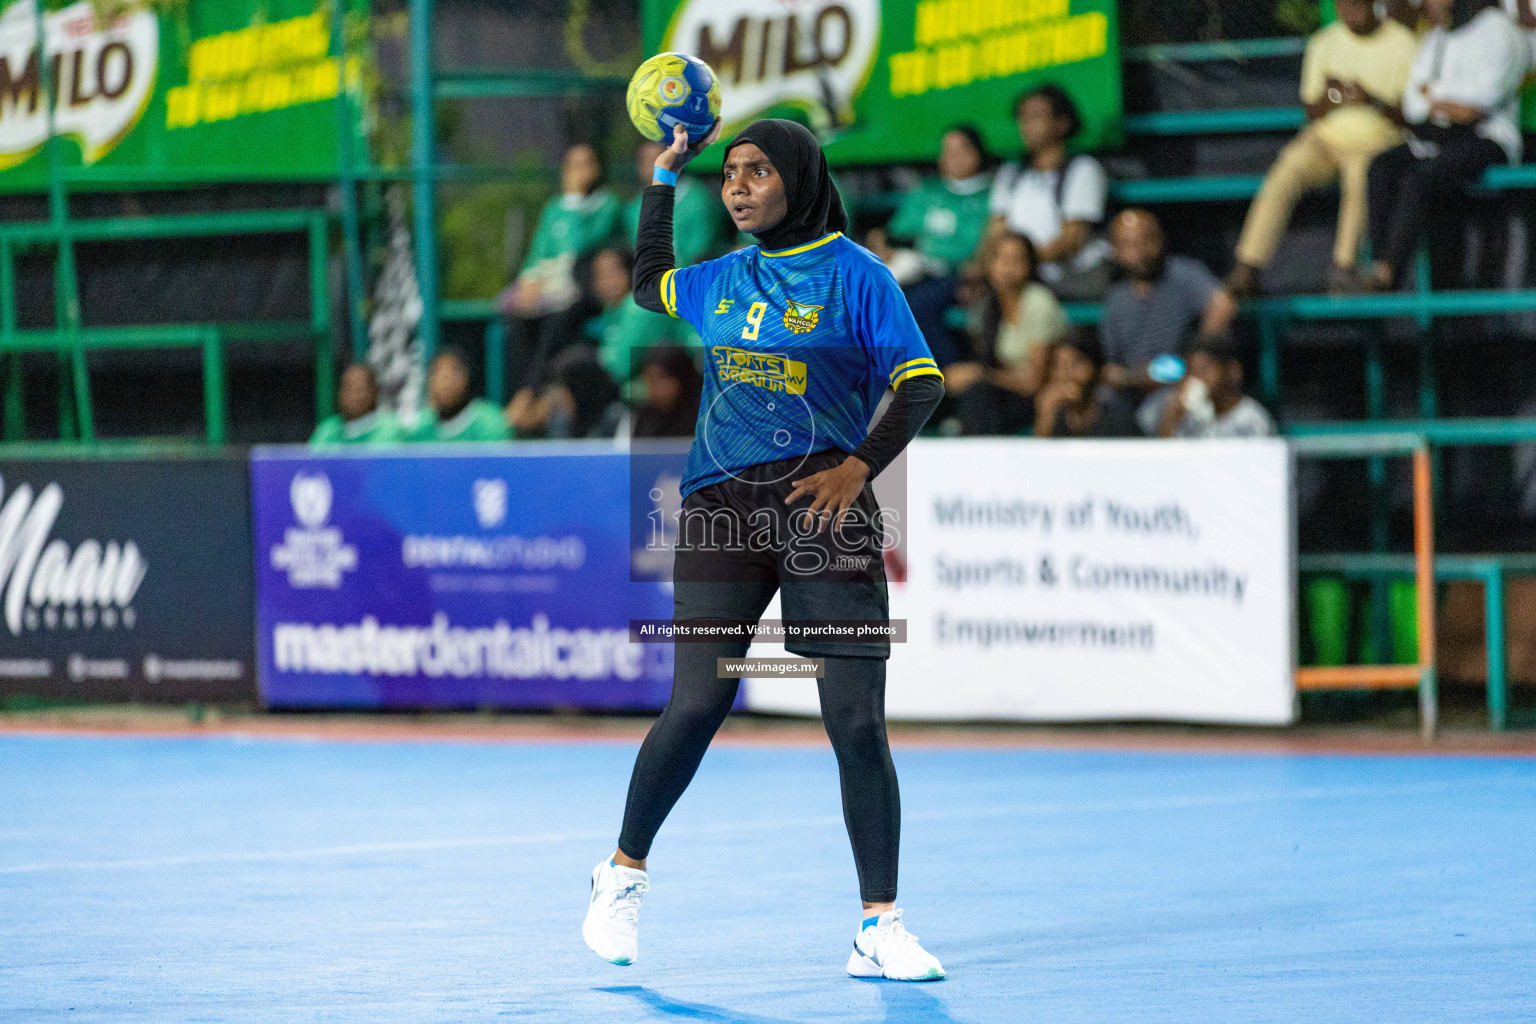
{"type": "Point", "coordinates": [126, 579]}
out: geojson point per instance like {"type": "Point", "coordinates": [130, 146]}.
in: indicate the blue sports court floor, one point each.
{"type": "Point", "coordinates": [218, 879]}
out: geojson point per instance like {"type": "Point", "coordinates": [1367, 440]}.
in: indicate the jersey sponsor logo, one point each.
{"type": "Point", "coordinates": [725, 306]}
{"type": "Point", "coordinates": [763, 369]}
{"type": "Point", "coordinates": [801, 318]}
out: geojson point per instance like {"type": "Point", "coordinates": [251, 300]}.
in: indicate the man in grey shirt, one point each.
{"type": "Point", "coordinates": [1163, 302]}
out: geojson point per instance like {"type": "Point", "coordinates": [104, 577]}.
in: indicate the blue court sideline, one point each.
{"type": "Point", "coordinates": [181, 880]}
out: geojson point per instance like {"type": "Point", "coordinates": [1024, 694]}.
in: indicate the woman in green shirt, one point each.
{"type": "Point", "coordinates": [545, 306]}
{"type": "Point", "coordinates": [587, 377]}
{"type": "Point", "coordinates": [695, 210]}
{"type": "Point", "coordinates": [358, 418]}
{"type": "Point", "coordinates": [623, 331]}
{"type": "Point", "coordinates": [943, 220]}
{"type": "Point", "coordinates": [452, 413]}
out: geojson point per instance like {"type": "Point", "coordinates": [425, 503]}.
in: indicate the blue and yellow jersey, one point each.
{"type": "Point", "coordinates": [799, 346]}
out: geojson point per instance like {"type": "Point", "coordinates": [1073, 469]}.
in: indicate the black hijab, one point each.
{"type": "Point", "coordinates": [815, 207]}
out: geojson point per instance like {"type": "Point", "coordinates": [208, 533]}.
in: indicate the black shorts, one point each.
{"type": "Point", "coordinates": [738, 544]}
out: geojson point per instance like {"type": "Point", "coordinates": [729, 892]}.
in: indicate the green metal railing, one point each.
{"type": "Point", "coordinates": [73, 340]}
{"type": "Point", "coordinates": [1227, 187]}
{"type": "Point", "coordinates": [1215, 122]}
{"type": "Point", "coordinates": [429, 84]}
{"type": "Point", "coordinates": [1226, 49]}
{"type": "Point", "coordinates": [1369, 440]}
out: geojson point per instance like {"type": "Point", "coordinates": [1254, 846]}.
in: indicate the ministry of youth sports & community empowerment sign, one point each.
{"type": "Point", "coordinates": [1079, 580]}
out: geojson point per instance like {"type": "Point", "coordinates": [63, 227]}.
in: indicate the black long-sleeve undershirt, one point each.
{"type": "Point", "coordinates": [653, 246]}
{"type": "Point", "coordinates": [916, 398]}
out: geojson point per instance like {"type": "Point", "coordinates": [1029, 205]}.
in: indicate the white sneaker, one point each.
{"type": "Point", "coordinates": [612, 927]}
{"type": "Point", "coordinates": [887, 950]}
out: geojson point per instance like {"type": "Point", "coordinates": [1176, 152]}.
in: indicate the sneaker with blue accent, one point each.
{"type": "Point", "coordinates": [885, 949]}
{"type": "Point", "coordinates": [612, 927]}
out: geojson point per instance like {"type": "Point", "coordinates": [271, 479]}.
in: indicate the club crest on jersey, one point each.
{"type": "Point", "coordinates": [799, 317]}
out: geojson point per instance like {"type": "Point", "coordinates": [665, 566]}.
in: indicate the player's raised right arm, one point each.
{"type": "Point", "coordinates": [653, 241]}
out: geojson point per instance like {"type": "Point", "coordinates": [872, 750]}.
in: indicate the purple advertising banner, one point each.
{"type": "Point", "coordinates": [454, 577]}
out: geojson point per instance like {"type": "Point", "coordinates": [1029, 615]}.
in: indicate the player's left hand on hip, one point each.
{"type": "Point", "coordinates": [833, 491]}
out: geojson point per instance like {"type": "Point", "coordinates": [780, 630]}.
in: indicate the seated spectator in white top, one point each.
{"type": "Point", "coordinates": [1055, 198]}
{"type": "Point", "coordinates": [1209, 401]}
{"type": "Point", "coordinates": [1462, 106]}
{"type": "Point", "coordinates": [1352, 82]}
{"type": "Point", "coordinates": [1523, 12]}
{"type": "Point", "coordinates": [1163, 302]}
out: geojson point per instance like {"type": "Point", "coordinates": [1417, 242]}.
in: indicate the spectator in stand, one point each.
{"type": "Point", "coordinates": [545, 305]}
{"type": "Point", "coordinates": [1352, 82]}
{"type": "Point", "coordinates": [1070, 404]}
{"type": "Point", "coordinates": [696, 220]}
{"type": "Point", "coordinates": [1209, 401]}
{"type": "Point", "coordinates": [1013, 328]}
{"type": "Point", "coordinates": [942, 221]}
{"type": "Point", "coordinates": [673, 386]}
{"type": "Point", "coordinates": [358, 418]}
{"type": "Point", "coordinates": [581, 400]}
{"type": "Point", "coordinates": [1054, 197]}
{"type": "Point", "coordinates": [1163, 302]}
{"type": "Point", "coordinates": [623, 329]}
{"type": "Point", "coordinates": [452, 414]}
{"type": "Point", "coordinates": [1523, 13]}
{"type": "Point", "coordinates": [1462, 106]}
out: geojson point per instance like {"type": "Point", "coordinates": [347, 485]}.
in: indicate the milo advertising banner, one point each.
{"type": "Point", "coordinates": [882, 81]}
{"type": "Point", "coordinates": [207, 90]}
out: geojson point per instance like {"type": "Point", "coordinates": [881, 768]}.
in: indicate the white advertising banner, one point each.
{"type": "Point", "coordinates": [1084, 580]}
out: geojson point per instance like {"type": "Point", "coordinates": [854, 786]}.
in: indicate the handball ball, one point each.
{"type": "Point", "coordinates": [672, 89]}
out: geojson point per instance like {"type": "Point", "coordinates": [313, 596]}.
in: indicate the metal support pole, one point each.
{"type": "Point", "coordinates": [1493, 627]}
{"type": "Point", "coordinates": [66, 296]}
{"type": "Point", "coordinates": [1424, 562]}
{"type": "Point", "coordinates": [213, 387]}
{"type": "Point", "coordinates": [15, 410]}
{"type": "Point", "coordinates": [423, 159]}
{"type": "Point", "coordinates": [495, 359]}
{"type": "Point", "coordinates": [81, 380]}
{"type": "Point", "coordinates": [1429, 384]}
{"type": "Point", "coordinates": [320, 319]}
{"type": "Point", "coordinates": [1380, 630]}
{"type": "Point", "coordinates": [1269, 362]}
{"type": "Point", "coordinates": [351, 234]}
{"type": "Point", "coordinates": [1429, 397]}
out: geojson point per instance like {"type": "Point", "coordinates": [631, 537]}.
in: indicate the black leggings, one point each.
{"type": "Point", "coordinates": [1403, 189]}
{"type": "Point", "coordinates": [853, 709]}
